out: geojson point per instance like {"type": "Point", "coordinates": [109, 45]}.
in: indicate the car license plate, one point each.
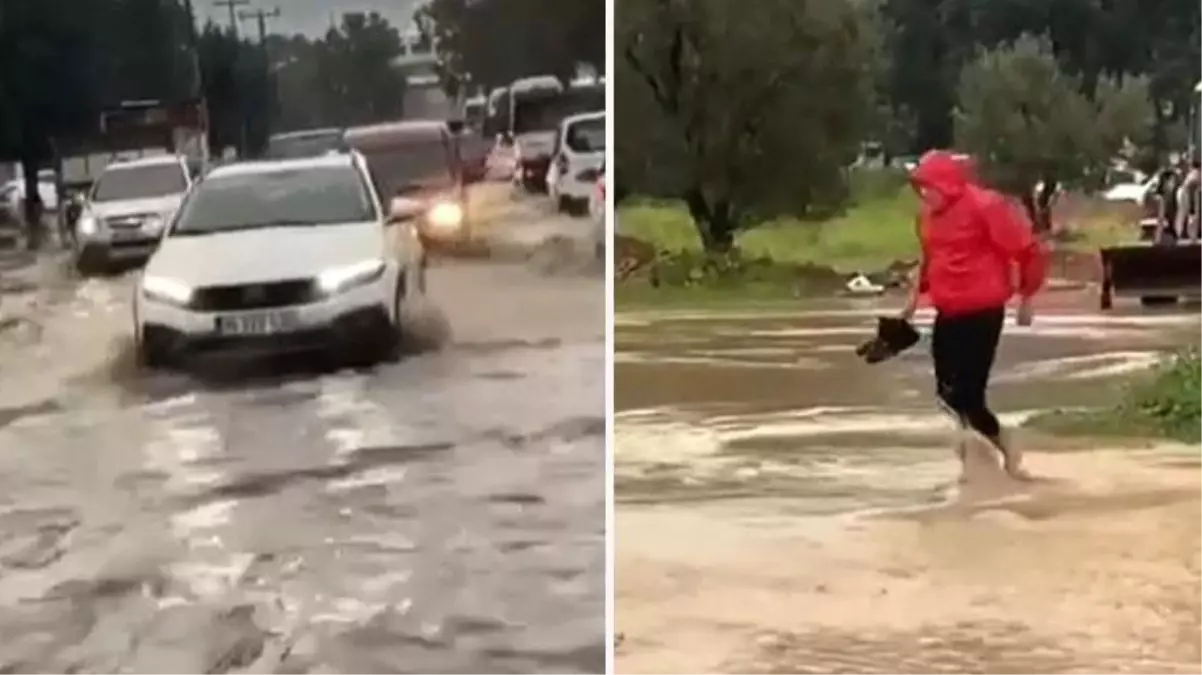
{"type": "Point", "coordinates": [128, 234]}
{"type": "Point", "coordinates": [259, 323]}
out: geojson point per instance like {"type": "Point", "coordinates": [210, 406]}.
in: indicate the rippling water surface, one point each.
{"type": "Point", "coordinates": [444, 514]}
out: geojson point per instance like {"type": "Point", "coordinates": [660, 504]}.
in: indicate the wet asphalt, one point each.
{"type": "Point", "coordinates": [441, 514]}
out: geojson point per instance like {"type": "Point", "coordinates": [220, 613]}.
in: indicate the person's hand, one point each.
{"type": "Point", "coordinates": [1025, 313]}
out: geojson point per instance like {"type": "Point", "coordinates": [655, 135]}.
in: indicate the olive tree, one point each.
{"type": "Point", "coordinates": [756, 109]}
{"type": "Point", "coordinates": [1029, 123]}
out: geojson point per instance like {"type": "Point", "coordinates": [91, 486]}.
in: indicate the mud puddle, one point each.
{"type": "Point", "coordinates": [819, 526]}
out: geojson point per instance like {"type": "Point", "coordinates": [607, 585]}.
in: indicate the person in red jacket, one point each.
{"type": "Point", "coordinates": [973, 241]}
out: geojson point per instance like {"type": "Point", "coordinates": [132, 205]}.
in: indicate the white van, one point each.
{"type": "Point", "coordinates": [578, 157]}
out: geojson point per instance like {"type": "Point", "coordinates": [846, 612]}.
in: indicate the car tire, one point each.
{"type": "Point", "coordinates": [1157, 300]}
{"type": "Point", "coordinates": [151, 352]}
{"type": "Point", "coordinates": [575, 207]}
{"type": "Point", "coordinates": [91, 261]}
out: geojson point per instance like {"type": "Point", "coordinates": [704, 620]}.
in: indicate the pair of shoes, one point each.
{"type": "Point", "coordinates": [893, 336]}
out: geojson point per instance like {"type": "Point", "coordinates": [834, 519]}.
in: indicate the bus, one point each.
{"type": "Point", "coordinates": [527, 113]}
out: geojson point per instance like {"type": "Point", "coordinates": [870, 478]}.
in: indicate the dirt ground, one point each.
{"type": "Point", "coordinates": [781, 507]}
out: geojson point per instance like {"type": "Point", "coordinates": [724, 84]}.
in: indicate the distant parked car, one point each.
{"type": "Point", "coordinates": [1134, 192]}
{"type": "Point", "coordinates": [131, 202]}
{"type": "Point", "coordinates": [12, 196]}
{"type": "Point", "coordinates": [577, 158]}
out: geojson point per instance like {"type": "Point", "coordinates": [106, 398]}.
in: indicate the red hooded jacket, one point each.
{"type": "Point", "coordinates": [972, 239]}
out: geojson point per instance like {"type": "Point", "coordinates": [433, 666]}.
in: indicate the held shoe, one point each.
{"type": "Point", "coordinates": [893, 336]}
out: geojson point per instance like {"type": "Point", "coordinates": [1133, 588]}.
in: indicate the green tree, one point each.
{"type": "Point", "coordinates": [356, 77]}
{"type": "Point", "coordinates": [220, 53]}
{"type": "Point", "coordinates": [1027, 122]}
{"type": "Point", "coordinates": [46, 58]}
{"type": "Point", "coordinates": [489, 43]}
{"type": "Point", "coordinates": [760, 110]}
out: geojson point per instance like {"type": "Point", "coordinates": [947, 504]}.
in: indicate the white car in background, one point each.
{"type": "Point", "coordinates": [577, 159]}
{"type": "Point", "coordinates": [123, 216]}
{"type": "Point", "coordinates": [280, 256]}
{"type": "Point", "coordinates": [1134, 192]}
{"type": "Point", "coordinates": [12, 196]}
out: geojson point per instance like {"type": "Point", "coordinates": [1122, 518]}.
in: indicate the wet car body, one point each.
{"type": "Point", "coordinates": [312, 268]}
{"type": "Point", "coordinates": [418, 168]}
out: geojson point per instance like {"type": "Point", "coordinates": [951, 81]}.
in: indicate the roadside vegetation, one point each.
{"type": "Point", "coordinates": [63, 62]}
{"type": "Point", "coordinates": [758, 155]}
{"type": "Point", "coordinates": [1165, 403]}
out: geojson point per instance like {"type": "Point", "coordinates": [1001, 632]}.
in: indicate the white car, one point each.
{"type": "Point", "coordinates": [280, 256]}
{"type": "Point", "coordinates": [577, 159]}
{"type": "Point", "coordinates": [123, 216]}
{"type": "Point", "coordinates": [12, 195]}
{"type": "Point", "coordinates": [1133, 192]}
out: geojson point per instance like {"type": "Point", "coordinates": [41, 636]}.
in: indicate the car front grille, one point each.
{"type": "Point", "coordinates": [254, 296]}
{"type": "Point", "coordinates": [127, 222]}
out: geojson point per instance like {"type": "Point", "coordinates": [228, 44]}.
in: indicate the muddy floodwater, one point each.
{"type": "Point", "coordinates": [783, 507]}
{"type": "Point", "coordinates": [442, 514]}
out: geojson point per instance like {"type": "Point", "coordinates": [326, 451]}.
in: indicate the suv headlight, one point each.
{"type": "Point", "coordinates": [344, 278]}
{"type": "Point", "coordinates": [167, 290]}
{"type": "Point", "coordinates": [445, 216]}
{"type": "Point", "coordinates": [87, 225]}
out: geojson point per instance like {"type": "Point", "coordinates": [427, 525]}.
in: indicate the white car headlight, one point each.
{"type": "Point", "coordinates": [166, 290]}
{"type": "Point", "coordinates": [152, 223]}
{"type": "Point", "coordinates": [445, 216]}
{"type": "Point", "coordinates": [340, 279]}
{"type": "Point", "coordinates": [87, 225]}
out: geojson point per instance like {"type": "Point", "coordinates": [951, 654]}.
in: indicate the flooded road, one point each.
{"type": "Point", "coordinates": [817, 524]}
{"type": "Point", "coordinates": [443, 514]}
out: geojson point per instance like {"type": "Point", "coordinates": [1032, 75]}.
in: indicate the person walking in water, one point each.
{"type": "Point", "coordinates": [973, 240]}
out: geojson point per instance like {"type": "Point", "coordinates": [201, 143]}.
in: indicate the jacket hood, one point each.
{"type": "Point", "coordinates": [944, 173]}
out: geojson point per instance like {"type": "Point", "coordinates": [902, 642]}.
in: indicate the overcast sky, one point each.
{"type": "Point", "coordinates": [311, 17]}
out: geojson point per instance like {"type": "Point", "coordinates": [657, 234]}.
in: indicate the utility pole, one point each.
{"type": "Point", "coordinates": [262, 16]}
{"type": "Point", "coordinates": [232, 6]}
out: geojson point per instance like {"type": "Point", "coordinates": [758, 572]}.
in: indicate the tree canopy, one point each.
{"type": "Point", "coordinates": [757, 112]}
{"type": "Point", "coordinates": [1043, 92]}
{"type": "Point", "coordinates": [490, 43]}
{"type": "Point", "coordinates": [1027, 122]}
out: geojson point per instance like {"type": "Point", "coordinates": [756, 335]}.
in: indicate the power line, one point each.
{"type": "Point", "coordinates": [232, 6]}
{"type": "Point", "coordinates": [262, 16]}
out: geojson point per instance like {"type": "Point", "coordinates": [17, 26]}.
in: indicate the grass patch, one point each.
{"type": "Point", "coordinates": [1166, 403]}
{"type": "Point", "coordinates": [870, 235]}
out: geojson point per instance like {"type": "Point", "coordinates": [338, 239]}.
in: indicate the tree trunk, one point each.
{"type": "Point", "coordinates": [1043, 205]}
{"type": "Point", "coordinates": [714, 223]}
{"type": "Point", "coordinates": [33, 205]}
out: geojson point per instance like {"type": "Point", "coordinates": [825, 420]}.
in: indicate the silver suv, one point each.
{"type": "Point", "coordinates": [127, 208]}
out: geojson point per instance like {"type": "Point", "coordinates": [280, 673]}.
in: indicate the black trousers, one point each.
{"type": "Point", "coordinates": [963, 347]}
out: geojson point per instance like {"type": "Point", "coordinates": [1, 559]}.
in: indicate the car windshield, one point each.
{"type": "Point", "coordinates": [587, 136]}
{"type": "Point", "coordinates": [306, 145]}
{"type": "Point", "coordinates": [140, 182]}
{"type": "Point", "coordinates": [288, 197]}
{"type": "Point", "coordinates": [544, 110]}
{"type": "Point", "coordinates": [423, 164]}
